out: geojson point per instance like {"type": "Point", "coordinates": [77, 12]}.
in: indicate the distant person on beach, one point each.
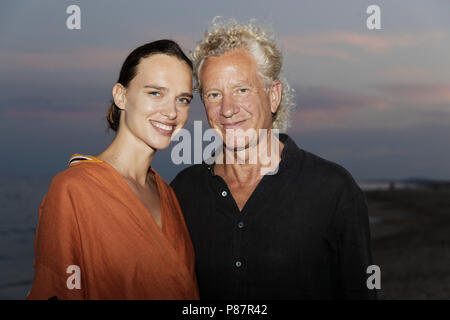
{"type": "Point", "coordinates": [297, 231]}
{"type": "Point", "coordinates": [109, 226]}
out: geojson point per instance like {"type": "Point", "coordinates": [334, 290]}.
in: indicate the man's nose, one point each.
{"type": "Point", "coordinates": [229, 107]}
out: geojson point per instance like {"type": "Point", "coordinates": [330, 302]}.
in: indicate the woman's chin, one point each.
{"type": "Point", "coordinates": [159, 144]}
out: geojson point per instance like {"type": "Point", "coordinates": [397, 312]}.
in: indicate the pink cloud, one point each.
{"type": "Point", "coordinates": [318, 106]}
{"type": "Point", "coordinates": [324, 44]}
{"type": "Point", "coordinates": [56, 109]}
{"type": "Point", "coordinates": [316, 51]}
{"type": "Point", "coordinates": [92, 58]}
{"type": "Point", "coordinates": [87, 58]}
{"type": "Point", "coordinates": [325, 98]}
{"type": "Point", "coordinates": [364, 152]}
{"type": "Point", "coordinates": [405, 73]}
{"type": "Point", "coordinates": [419, 92]}
{"type": "Point", "coordinates": [48, 114]}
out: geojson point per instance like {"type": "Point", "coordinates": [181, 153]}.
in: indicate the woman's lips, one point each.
{"type": "Point", "coordinates": [164, 129]}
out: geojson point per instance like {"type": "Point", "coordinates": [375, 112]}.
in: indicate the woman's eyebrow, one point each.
{"type": "Point", "coordinates": [149, 86]}
{"type": "Point", "coordinates": [183, 94]}
{"type": "Point", "coordinates": [186, 94]}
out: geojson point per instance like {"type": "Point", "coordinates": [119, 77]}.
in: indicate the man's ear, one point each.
{"type": "Point", "coordinates": [118, 93]}
{"type": "Point", "coordinates": [275, 95]}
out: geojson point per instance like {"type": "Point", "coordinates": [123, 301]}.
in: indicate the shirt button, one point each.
{"type": "Point", "coordinates": [224, 193]}
{"type": "Point", "coordinates": [240, 225]}
{"type": "Point", "coordinates": [238, 264]}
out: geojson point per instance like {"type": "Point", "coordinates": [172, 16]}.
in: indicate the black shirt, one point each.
{"type": "Point", "coordinates": [303, 233]}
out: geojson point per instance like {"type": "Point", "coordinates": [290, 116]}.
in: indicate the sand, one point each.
{"type": "Point", "coordinates": [411, 242]}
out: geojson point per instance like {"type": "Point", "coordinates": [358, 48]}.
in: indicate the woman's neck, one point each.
{"type": "Point", "coordinates": [129, 156]}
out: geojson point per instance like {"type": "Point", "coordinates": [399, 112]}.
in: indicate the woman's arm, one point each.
{"type": "Point", "coordinates": [58, 259]}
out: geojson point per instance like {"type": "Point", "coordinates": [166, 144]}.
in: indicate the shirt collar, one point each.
{"type": "Point", "coordinates": [286, 154]}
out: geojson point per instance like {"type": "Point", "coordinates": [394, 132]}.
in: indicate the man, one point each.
{"type": "Point", "coordinates": [298, 229]}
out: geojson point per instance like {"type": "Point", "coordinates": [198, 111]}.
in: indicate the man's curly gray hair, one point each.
{"type": "Point", "coordinates": [226, 35]}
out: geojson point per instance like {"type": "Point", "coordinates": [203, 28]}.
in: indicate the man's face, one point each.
{"type": "Point", "coordinates": [234, 96]}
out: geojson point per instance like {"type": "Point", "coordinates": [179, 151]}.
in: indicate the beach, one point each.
{"type": "Point", "coordinates": [411, 242]}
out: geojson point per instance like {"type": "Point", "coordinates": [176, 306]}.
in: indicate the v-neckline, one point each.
{"type": "Point", "coordinates": [253, 193]}
{"type": "Point", "coordinates": [139, 201]}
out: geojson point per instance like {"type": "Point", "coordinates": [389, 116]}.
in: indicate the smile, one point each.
{"type": "Point", "coordinates": [233, 125]}
{"type": "Point", "coordinates": [163, 128]}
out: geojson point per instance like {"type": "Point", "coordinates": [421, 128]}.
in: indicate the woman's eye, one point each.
{"type": "Point", "coordinates": [185, 100]}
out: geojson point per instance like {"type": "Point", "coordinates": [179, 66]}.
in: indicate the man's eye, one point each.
{"type": "Point", "coordinates": [243, 90]}
{"type": "Point", "coordinates": [154, 93]}
{"type": "Point", "coordinates": [212, 95]}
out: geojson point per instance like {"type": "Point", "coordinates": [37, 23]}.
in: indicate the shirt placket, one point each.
{"type": "Point", "coordinates": [228, 206]}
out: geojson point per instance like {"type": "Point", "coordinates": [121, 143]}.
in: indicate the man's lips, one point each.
{"type": "Point", "coordinates": [233, 125]}
{"type": "Point", "coordinates": [164, 128]}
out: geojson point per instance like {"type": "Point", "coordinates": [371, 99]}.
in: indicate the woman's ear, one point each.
{"type": "Point", "coordinates": [275, 95]}
{"type": "Point", "coordinates": [118, 93]}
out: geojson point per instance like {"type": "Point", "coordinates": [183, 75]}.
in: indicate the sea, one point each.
{"type": "Point", "coordinates": [19, 205]}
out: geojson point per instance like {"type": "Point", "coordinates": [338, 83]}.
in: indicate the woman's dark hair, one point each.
{"type": "Point", "coordinates": [129, 69]}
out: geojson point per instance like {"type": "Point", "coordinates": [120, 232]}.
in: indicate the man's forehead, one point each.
{"type": "Point", "coordinates": [232, 68]}
{"type": "Point", "coordinates": [233, 80]}
{"type": "Point", "coordinates": [236, 56]}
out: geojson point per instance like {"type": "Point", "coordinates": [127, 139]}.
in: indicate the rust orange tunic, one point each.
{"type": "Point", "coordinates": [90, 218]}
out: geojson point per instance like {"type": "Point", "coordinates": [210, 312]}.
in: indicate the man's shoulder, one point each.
{"type": "Point", "coordinates": [188, 176]}
{"type": "Point", "coordinates": [315, 167]}
{"type": "Point", "coordinates": [325, 166]}
{"type": "Point", "coordinates": [327, 172]}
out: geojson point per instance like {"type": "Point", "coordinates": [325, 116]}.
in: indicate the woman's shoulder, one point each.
{"type": "Point", "coordinates": [81, 170]}
{"type": "Point", "coordinates": [83, 180]}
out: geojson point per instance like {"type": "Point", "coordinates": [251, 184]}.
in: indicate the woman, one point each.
{"type": "Point", "coordinates": [109, 226]}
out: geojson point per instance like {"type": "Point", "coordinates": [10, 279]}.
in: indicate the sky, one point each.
{"type": "Point", "coordinates": [374, 101]}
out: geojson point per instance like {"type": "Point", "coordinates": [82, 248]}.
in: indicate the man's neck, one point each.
{"type": "Point", "coordinates": [250, 165]}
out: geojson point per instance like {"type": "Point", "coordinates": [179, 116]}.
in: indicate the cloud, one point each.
{"type": "Point", "coordinates": [39, 114]}
{"type": "Point", "coordinates": [385, 151]}
{"type": "Point", "coordinates": [341, 44]}
{"type": "Point", "coordinates": [396, 106]}
{"type": "Point", "coordinates": [36, 108]}
{"type": "Point", "coordinates": [405, 74]}
{"type": "Point", "coordinates": [364, 152]}
{"type": "Point", "coordinates": [429, 93]}
{"type": "Point", "coordinates": [87, 58]}
{"type": "Point", "coordinates": [326, 98]}
{"type": "Point", "coordinates": [316, 51]}
{"type": "Point", "coordinates": [322, 106]}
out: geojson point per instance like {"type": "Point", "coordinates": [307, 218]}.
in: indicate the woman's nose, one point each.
{"type": "Point", "coordinates": [170, 110]}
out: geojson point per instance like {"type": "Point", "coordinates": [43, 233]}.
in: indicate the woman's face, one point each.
{"type": "Point", "coordinates": [156, 102]}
